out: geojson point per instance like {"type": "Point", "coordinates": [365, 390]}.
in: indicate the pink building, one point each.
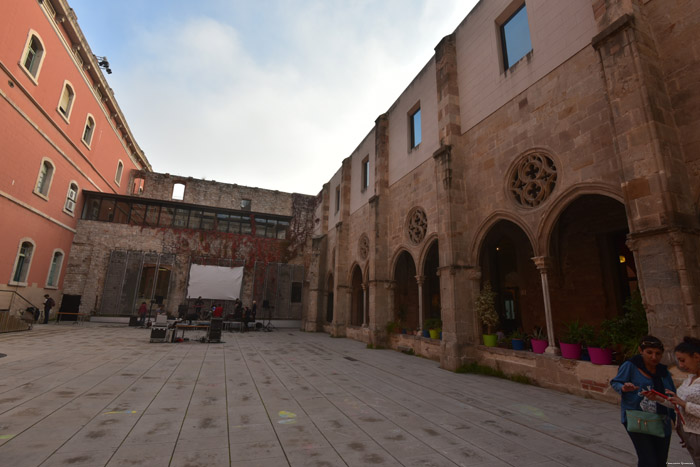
{"type": "Point", "coordinates": [62, 132]}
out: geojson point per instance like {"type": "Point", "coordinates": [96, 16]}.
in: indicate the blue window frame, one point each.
{"type": "Point", "coordinates": [416, 136]}
{"type": "Point", "coordinates": [515, 38]}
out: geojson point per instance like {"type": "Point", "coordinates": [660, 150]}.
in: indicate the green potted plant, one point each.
{"type": "Point", "coordinates": [600, 346]}
{"type": "Point", "coordinates": [434, 326]}
{"type": "Point", "coordinates": [392, 327]}
{"type": "Point", "coordinates": [574, 337]}
{"type": "Point", "coordinates": [486, 309]}
{"type": "Point", "coordinates": [538, 340]}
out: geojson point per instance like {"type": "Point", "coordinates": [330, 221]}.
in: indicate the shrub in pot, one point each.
{"type": "Point", "coordinates": [434, 326]}
{"type": "Point", "coordinates": [485, 305]}
{"type": "Point", "coordinates": [574, 337]}
{"type": "Point", "coordinates": [517, 340]}
{"type": "Point", "coordinates": [538, 340]}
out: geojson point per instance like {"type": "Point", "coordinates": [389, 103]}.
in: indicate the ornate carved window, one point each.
{"type": "Point", "coordinates": [363, 246]}
{"type": "Point", "coordinates": [417, 225]}
{"type": "Point", "coordinates": [532, 179]}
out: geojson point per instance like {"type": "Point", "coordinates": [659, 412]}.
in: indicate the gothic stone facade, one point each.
{"type": "Point", "coordinates": [567, 180]}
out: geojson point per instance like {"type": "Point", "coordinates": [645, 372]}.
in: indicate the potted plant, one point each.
{"type": "Point", "coordinates": [434, 326]}
{"type": "Point", "coordinates": [538, 340]}
{"type": "Point", "coordinates": [517, 340]}
{"type": "Point", "coordinates": [574, 337]}
{"type": "Point", "coordinates": [392, 327]}
{"type": "Point", "coordinates": [600, 346]}
{"type": "Point", "coordinates": [486, 309]}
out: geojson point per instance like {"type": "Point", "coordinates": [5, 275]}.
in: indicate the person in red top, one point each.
{"type": "Point", "coordinates": [218, 311]}
{"type": "Point", "coordinates": [143, 309]}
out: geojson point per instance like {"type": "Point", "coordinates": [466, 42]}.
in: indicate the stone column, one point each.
{"type": "Point", "coordinates": [544, 264]}
{"type": "Point", "coordinates": [364, 305]}
{"type": "Point", "coordinates": [420, 280]}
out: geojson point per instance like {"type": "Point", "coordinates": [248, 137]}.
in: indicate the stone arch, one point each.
{"type": "Point", "coordinates": [330, 293]}
{"type": "Point", "coordinates": [555, 209]}
{"type": "Point", "coordinates": [357, 296]}
{"type": "Point", "coordinates": [488, 223]}
{"type": "Point", "coordinates": [505, 258]}
{"type": "Point", "coordinates": [430, 262]}
{"type": "Point", "coordinates": [593, 271]}
{"type": "Point", "coordinates": [405, 290]}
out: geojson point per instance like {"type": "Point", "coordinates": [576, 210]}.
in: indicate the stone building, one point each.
{"type": "Point", "coordinates": [62, 133]}
{"type": "Point", "coordinates": [136, 248]}
{"type": "Point", "coordinates": [549, 148]}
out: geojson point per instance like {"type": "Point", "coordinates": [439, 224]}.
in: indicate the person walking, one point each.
{"type": "Point", "coordinates": [641, 409]}
{"type": "Point", "coordinates": [143, 309]}
{"type": "Point", "coordinates": [48, 304]}
{"type": "Point", "coordinates": [688, 396]}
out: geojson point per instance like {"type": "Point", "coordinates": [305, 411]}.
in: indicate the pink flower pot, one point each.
{"type": "Point", "coordinates": [538, 346]}
{"type": "Point", "coordinates": [570, 351]}
{"type": "Point", "coordinates": [600, 356]}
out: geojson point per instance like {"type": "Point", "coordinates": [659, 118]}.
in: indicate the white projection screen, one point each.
{"type": "Point", "coordinates": [214, 282]}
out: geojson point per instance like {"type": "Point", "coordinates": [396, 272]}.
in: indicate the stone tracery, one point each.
{"type": "Point", "coordinates": [533, 179]}
{"type": "Point", "coordinates": [417, 225]}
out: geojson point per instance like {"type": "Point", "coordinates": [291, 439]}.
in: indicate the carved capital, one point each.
{"type": "Point", "coordinates": [543, 263]}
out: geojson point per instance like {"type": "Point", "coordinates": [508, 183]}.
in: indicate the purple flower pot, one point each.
{"type": "Point", "coordinates": [600, 356]}
{"type": "Point", "coordinates": [570, 351]}
{"type": "Point", "coordinates": [538, 346]}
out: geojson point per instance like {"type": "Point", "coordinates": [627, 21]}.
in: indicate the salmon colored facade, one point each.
{"type": "Point", "coordinates": [62, 132]}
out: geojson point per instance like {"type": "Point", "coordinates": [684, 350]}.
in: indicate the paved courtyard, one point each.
{"type": "Point", "coordinates": [96, 395]}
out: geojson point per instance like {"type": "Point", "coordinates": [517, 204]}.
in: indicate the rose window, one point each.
{"type": "Point", "coordinates": [417, 225]}
{"type": "Point", "coordinates": [363, 246]}
{"type": "Point", "coordinates": [533, 179]}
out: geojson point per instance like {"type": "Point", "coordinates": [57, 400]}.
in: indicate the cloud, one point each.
{"type": "Point", "coordinates": [206, 99]}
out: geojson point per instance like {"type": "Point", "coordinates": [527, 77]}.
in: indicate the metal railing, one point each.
{"type": "Point", "coordinates": [8, 322]}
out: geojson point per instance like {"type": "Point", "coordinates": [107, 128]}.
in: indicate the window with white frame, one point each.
{"type": "Point", "coordinates": [55, 269]}
{"type": "Point", "coordinates": [89, 130]}
{"type": "Point", "coordinates": [515, 37]}
{"type": "Point", "coordinates": [22, 262]}
{"type": "Point", "coordinates": [43, 181]}
{"type": "Point", "coordinates": [33, 55]}
{"type": "Point", "coordinates": [118, 175]}
{"type": "Point", "coordinates": [66, 103]}
{"type": "Point", "coordinates": [71, 198]}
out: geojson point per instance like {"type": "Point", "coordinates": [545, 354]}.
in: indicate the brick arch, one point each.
{"type": "Point", "coordinates": [486, 226]}
{"type": "Point", "coordinates": [551, 216]}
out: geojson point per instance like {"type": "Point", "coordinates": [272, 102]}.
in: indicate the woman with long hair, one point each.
{"type": "Point", "coordinates": [688, 396]}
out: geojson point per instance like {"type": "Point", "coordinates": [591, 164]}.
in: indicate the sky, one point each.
{"type": "Point", "coordinates": [265, 93]}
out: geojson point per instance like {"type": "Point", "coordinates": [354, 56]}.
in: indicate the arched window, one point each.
{"type": "Point", "coordinates": [43, 181]}
{"type": "Point", "coordinates": [89, 130]}
{"type": "Point", "coordinates": [118, 175]}
{"type": "Point", "coordinates": [55, 269]}
{"type": "Point", "coordinates": [71, 198]}
{"type": "Point", "coordinates": [66, 103]}
{"type": "Point", "coordinates": [22, 262]}
{"type": "Point", "coordinates": [178, 191]}
{"type": "Point", "coordinates": [33, 55]}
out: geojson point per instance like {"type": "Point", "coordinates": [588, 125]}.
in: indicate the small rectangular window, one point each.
{"type": "Point", "coordinates": [195, 219]}
{"type": "Point", "coordinates": [245, 225]}
{"type": "Point", "coordinates": [365, 173]}
{"type": "Point", "coordinates": [337, 199]}
{"type": "Point", "coordinates": [222, 222]}
{"type": "Point", "coordinates": [282, 227]}
{"type": "Point", "coordinates": [207, 220]}
{"type": "Point", "coordinates": [234, 224]}
{"type": "Point", "coordinates": [416, 135]}
{"type": "Point", "coordinates": [515, 38]}
{"type": "Point", "coordinates": [166, 216]}
{"type": "Point", "coordinates": [181, 216]}
{"type": "Point", "coordinates": [260, 224]}
{"type": "Point", "coordinates": [246, 204]}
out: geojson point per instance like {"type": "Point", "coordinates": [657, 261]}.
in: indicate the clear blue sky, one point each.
{"type": "Point", "coordinates": [267, 93]}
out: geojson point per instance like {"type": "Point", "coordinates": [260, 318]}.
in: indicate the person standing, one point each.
{"type": "Point", "coordinates": [198, 304]}
{"type": "Point", "coordinates": [143, 309]}
{"type": "Point", "coordinates": [634, 381]}
{"type": "Point", "coordinates": [48, 304]}
{"type": "Point", "coordinates": [688, 396]}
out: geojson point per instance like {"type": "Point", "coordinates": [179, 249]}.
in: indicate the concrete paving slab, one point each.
{"type": "Point", "coordinates": [101, 394]}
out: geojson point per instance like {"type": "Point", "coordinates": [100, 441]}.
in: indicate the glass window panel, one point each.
{"type": "Point", "coordinates": [207, 220]}
{"type": "Point", "coordinates": [92, 212]}
{"type": "Point", "coordinates": [55, 269]}
{"type": "Point", "coordinates": [106, 210]}
{"type": "Point", "coordinates": [166, 216]}
{"type": "Point", "coordinates": [416, 135]}
{"type": "Point", "coordinates": [260, 224]}
{"type": "Point", "coordinates": [222, 222]}
{"type": "Point", "coordinates": [121, 215]}
{"type": "Point", "coordinates": [282, 227]}
{"type": "Point", "coordinates": [162, 283]}
{"type": "Point", "coordinates": [234, 224]}
{"type": "Point", "coordinates": [152, 216]}
{"type": "Point", "coordinates": [138, 213]}
{"type": "Point", "coordinates": [181, 217]}
{"type": "Point", "coordinates": [195, 219]}
{"type": "Point", "coordinates": [245, 225]}
{"type": "Point", "coordinates": [271, 227]}
{"type": "Point", "coordinates": [515, 35]}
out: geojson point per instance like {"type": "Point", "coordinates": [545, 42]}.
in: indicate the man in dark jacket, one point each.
{"type": "Point", "coordinates": [48, 304]}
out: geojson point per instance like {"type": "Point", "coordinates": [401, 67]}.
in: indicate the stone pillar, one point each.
{"type": "Point", "coordinates": [544, 264]}
{"type": "Point", "coordinates": [420, 280]}
{"type": "Point", "coordinates": [364, 305]}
